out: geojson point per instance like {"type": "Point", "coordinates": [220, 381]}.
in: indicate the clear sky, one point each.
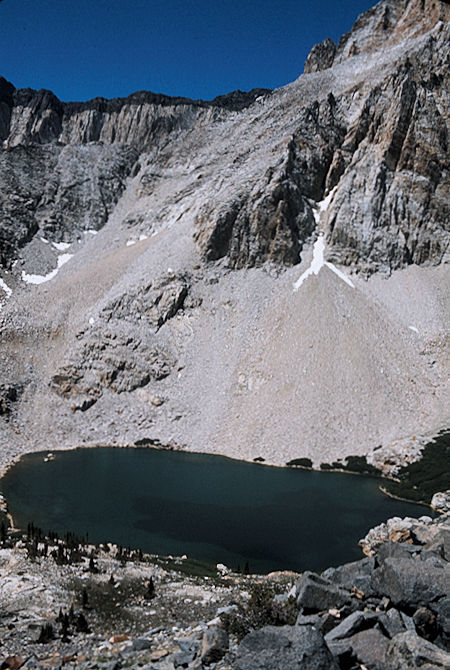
{"type": "Point", "coordinates": [81, 49]}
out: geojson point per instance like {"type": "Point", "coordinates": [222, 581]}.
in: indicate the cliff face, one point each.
{"type": "Point", "coordinates": [383, 146]}
{"type": "Point", "coordinates": [205, 214]}
{"type": "Point", "coordinates": [64, 165]}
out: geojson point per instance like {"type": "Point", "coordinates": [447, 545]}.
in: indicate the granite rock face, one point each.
{"type": "Point", "coordinates": [64, 165]}
{"type": "Point", "coordinates": [168, 233]}
{"type": "Point", "coordinates": [122, 352]}
{"type": "Point", "coordinates": [321, 56]}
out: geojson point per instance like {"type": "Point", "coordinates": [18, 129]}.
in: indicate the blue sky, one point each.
{"type": "Point", "coordinates": [80, 49]}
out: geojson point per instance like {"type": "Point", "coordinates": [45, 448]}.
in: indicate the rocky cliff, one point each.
{"type": "Point", "coordinates": [184, 225]}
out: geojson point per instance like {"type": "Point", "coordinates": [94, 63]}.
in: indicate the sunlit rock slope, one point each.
{"type": "Point", "coordinates": [151, 251]}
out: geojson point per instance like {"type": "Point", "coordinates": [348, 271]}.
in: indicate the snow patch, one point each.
{"type": "Point", "coordinates": [5, 287]}
{"type": "Point", "coordinates": [340, 274]}
{"type": "Point", "coordinates": [317, 264]}
{"type": "Point", "coordinates": [44, 240]}
{"type": "Point", "coordinates": [413, 328]}
{"type": "Point", "coordinates": [323, 204]}
{"type": "Point", "coordinates": [90, 232]}
{"type": "Point", "coordinates": [61, 246]}
{"type": "Point", "coordinates": [130, 243]}
{"type": "Point", "coordinates": [40, 279]}
{"type": "Point", "coordinates": [142, 237]}
{"type": "Point", "coordinates": [91, 320]}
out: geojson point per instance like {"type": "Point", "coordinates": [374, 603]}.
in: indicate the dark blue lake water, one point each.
{"type": "Point", "coordinates": [211, 508]}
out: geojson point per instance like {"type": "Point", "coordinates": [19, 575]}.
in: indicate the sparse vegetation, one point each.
{"type": "Point", "coordinates": [300, 462]}
{"type": "Point", "coordinates": [420, 480]}
{"type": "Point", "coordinates": [47, 634]}
{"type": "Point", "coordinates": [262, 609]}
{"type": "Point", "coordinates": [147, 442]}
{"type": "Point", "coordinates": [357, 464]}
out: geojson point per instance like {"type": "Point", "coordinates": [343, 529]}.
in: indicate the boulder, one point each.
{"type": "Point", "coordinates": [369, 647]}
{"type": "Point", "coordinates": [352, 575]}
{"type": "Point", "coordinates": [214, 645]}
{"type": "Point", "coordinates": [318, 594]}
{"type": "Point", "coordinates": [441, 501]}
{"type": "Point", "coordinates": [425, 623]}
{"type": "Point", "coordinates": [441, 609]}
{"type": "Point", "coordinates": [435, 548]}
{"type": "Point", "coordinates": [396, 550]}
{"type": "Point", "coordinates": [391, 622]}
{"type": "Point", "coordinates": [409, 583]}
{"type": "Point", "coordinates": [141, 644]}
{"type": "Point", "coordinates": [352, 624]}
{"type": "Point", "coordinates": [407, 651]}
{"type": "Point", "coordinates": [280, 648]}
{"type": "Point", "coordinates": [307, 620]}
{"type": "Point", "coordinates": [181, 659]}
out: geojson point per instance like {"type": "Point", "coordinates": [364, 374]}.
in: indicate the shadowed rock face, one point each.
{"type": "Point", "coordinates": [63, 165]}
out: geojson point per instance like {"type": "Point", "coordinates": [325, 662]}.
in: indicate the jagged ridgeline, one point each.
{"type": "Point", "coordinates": [182, 223]}
{"type": "Point", "coordinates": [382, 142]}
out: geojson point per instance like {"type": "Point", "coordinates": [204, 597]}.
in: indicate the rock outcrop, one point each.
{"type": "Point", "coordinates": [340, 624]}
{"type": "Point", "coordinates": [321, 56]}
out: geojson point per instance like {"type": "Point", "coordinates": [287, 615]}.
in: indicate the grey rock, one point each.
{"type": "Point", "coordinates": [408, 583]}
{"type": "Point", "coordinates": [433, 561]}
{"type": "Point", "coordinates": [441, 609]}
{"type": "Point", "coordinates": [321, 56]}
{"type": "Point", "coordinates": [396, 550]}
{"type": "Point", "coordinates": [353, 575]}
{"type": "Point", "coordinates": [409, 651]}
{"type": "Point", "coordinates": [391, 622]}
{"type": "Point", "coordinates": [369, 647]}
{"type": "Point", "coordinates": [181, 659]}
{"type": "Point", "coordinates": [141, 643]}
{"type": "Point", "coordinates": [155, 303]}
{"type": "Point", "coordinates": [279, 648]}
{"type": "Point", "coordinates": [350, 625]}
{"type": "Point", "coordinates": [425, 623]}
{"type": "Point", "coordinates": [437, 548]}
{"type": "Point", "coordinates": [215, 645]}
{"type": "Point", "coordinates": [425, 533]}
{"type": "Point", "coordinates": [407, 621]}
{"type": "Point", "coordinates": [188, 644]}
{"type": "Point", "coordinates": [307, 620]}
{"type": "Point", "coordinates": [111, 359]}
{"type": "Point", "coordinates": [328, 621]}
{"type": "Point", "coordinates": [342, 652]}
{"type": "Point", "coordinates": [316, 593]}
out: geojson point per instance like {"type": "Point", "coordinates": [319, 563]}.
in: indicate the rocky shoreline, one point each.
{"type": "Point", "coordinates": [65, 603]}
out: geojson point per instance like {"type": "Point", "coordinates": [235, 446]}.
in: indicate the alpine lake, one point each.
{"type": "Point", "coordinates": [210, 508]}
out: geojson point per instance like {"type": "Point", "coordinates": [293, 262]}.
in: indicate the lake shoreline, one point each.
{"type": "Point", "coordinates": [168, 501]}
{"type": "Point", "coordinates": [172, 448]}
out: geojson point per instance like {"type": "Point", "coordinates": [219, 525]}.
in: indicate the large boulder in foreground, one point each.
{"type": "Point", "coordinates": [280, 648]}
{"type": "Point", "coordinates": [318, 594]}
{"type": "Point", "coordinates": [408, 651]}
{"type": "Point", "coordinates": [409, 583]}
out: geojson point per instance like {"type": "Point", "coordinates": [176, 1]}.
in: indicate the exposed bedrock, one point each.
{"type": "Point", "coordinates": [383, 143]}
{"type": "Point", "coordinates": [121, 352]}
